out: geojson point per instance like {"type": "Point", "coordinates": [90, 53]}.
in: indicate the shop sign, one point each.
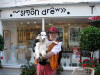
{"type": "Point", "coordinates": [36, 12]}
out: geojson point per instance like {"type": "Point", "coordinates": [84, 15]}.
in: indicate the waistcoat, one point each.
{"type": "Point", "coordinates": [53, 59]}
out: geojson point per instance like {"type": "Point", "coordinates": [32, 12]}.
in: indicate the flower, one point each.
{"type": "Point", "coordinates": [92, 61]}
{"type": "Point", "coordinates": [84, 65]}
{"type": "Point", "coordinates": [1, 57]}
{"type": "Point", "coordinates": [79, 60]}
{"type": "Point", "coordinates": [93, 66]}
{"type": "Point", "coordinates": [88, 62]}
{"type": "Point", "coordinates": [91, 58]}
{"type": "Point", "coordinates": [30, 70]}
{"type": "Point", "coordinates": [85, 59]}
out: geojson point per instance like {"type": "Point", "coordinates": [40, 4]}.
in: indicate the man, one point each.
{"type": "Point", "coordinates": [52, 56]}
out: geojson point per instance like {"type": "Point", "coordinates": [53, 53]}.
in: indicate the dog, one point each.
{"type": "Point", "coordinates": [41, 47]}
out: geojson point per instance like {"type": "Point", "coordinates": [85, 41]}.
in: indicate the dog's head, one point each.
{"type": "Point", "coordinates": [42, 36]}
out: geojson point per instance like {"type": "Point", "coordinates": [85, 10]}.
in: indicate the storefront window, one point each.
{"type": "Point", "coordinates": [73, 37]}
{"type": "Point", "coordinates": [61, 33]}
{"type": "Point", "coordinates": [27, 33]}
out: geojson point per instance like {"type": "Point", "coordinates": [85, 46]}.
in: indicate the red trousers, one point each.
{"type": "Point", "coordinates": [45, 70]}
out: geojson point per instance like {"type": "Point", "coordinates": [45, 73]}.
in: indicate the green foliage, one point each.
{"type": "Point", "coordinates": [0, 64]}
{"type": "Point", "coordinates": [88, 62]}
{"type": "Point", "coordinates": [91, 63]}
{"type": "Point", "coordinates": [28, 70]}
{"type": "Point", "coordinates": [59, 70]}
{"type": "Point", "coordinates": [97, 70]}
{"type": "Point", "coordinates": [1, 43]}
{"type": "Point", "coordinates": [90, 38]}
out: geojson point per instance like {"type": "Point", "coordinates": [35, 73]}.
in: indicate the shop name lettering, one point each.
{"type": "Point", "coordinates": [35, 12]}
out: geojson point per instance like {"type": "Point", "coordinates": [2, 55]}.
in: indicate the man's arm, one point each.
{"type": "Point", "coordinates": [56, 49]}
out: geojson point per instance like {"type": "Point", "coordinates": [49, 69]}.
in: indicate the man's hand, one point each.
{"type": "Point", "coordinates": [43, 58]}
{"type": "Point", "coordinates": [38, 60]}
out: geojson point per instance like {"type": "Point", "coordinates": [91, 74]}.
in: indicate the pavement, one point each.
{"type": "Point", "coordinates": [16, 71]}
{"type": "Point", "coordinates": [10, 71]}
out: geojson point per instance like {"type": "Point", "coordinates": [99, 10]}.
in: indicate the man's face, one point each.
{"type": "Point", "coordinates": [52, 35]}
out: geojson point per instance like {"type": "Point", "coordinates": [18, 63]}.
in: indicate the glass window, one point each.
{"type": "Point", "coordinates": [73, 37]}
{"type": "Point", "coordinates": [61, 33]}
{"type": "Point", "coordinates": [27, 33]}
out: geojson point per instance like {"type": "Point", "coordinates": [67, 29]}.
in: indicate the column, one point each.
{"type": "Point", "coordinates": [1, 28]}
{"type": "Point", "coordinates": [43, 25]}
{"type": "Point", "coordinates": [1, 52]}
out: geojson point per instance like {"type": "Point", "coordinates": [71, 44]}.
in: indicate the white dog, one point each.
{"type": "Point", "coordinates": [41, 46]}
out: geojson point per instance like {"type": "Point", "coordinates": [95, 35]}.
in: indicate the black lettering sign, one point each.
{"type": "Point", "coordinates": [52, 11]}
{"type": "Point", "coordinates": [36, 12]}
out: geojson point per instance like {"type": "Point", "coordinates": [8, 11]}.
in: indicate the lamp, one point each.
{"type": "Point", "coordinates": [94, 20]}
{"type": "Point", "coordinates": [28, 22]}
{"type": "Point", "coordinates": [91, 5]}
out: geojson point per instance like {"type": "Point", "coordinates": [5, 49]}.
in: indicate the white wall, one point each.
{"type": "Point", "coordinates": [13, 3]}
{"type": "Point", "coordinates": [81, 10]}
{"type": "Point", "coordinates": [6, 1]}
{"type": "Point", "coordinates": [1, 28]}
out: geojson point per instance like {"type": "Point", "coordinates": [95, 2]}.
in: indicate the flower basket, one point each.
{"type": "Point", "coordinates": [28, 69]}
{"type": "Point", "coordinates": [94, 21]}
{"type": "Point", "coordinates": [88, 62]}
{"type": "Point", "coordinates": [92, 63]}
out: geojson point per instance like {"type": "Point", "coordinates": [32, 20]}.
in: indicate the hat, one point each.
{"type": "Point", "coordinates": [53, 30]}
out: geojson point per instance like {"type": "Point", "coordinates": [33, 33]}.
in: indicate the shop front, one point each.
{"type": "Point", "coordinates": [22, 24]}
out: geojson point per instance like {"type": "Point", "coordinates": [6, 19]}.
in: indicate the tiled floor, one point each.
{"type": "Point", "coordinates": [10, 71]}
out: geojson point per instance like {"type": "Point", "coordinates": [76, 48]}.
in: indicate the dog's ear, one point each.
{"type": "Point", "coordinates": [43, 33]}
{"type": "Point", "coordinates": [38, 36]}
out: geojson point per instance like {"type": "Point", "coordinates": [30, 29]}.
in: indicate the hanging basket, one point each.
{"type": "Point", "coordinates": [94, 21]}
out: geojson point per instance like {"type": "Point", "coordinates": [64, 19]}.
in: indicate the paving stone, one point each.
{"type": "Point", "coordinates": [10, 71]}
{"type": "Point", "coordinates": [14, 71]}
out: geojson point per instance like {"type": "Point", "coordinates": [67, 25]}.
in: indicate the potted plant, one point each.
{"type": "Point", "coordinates": [29, 69]}
{"type": "Point", "coordinates": [59, 70]}
{"type": "Point", "coordinates": [1, 48]}
{"type": "Point", "coordinates": [94, 21]}
{"type": "Point", "coordinates": [90, 39]}
{"type": "Point", "coordinates": [91, 63]}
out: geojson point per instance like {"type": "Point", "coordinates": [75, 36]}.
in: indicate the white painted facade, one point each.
{"type": "Point", "coordinates": [14, 10]}
{"type": "Point", "coordinates": [1, 28]}
{"type": "Point", "coordinates": [75, 11]}
{"type": "Point", "coordinates": [15, 3]}
{"type": "Point", "coordinates": [69, 11]}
